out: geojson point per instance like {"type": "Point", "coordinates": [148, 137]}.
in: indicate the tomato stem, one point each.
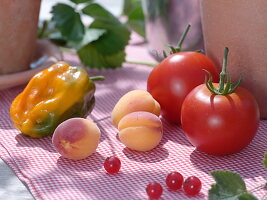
{"type": "Point", "coordinates": [179, 45]}
{"type": "Point", "coordinates": [225, 85]}
{"type": "Point", "coordinates": [180, 42]}
{"type": "Point", "coordinates": [223, 72]}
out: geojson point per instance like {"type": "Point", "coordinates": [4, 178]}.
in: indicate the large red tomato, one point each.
{"type": "Point", "coordinates": [175, 77]}
{"type": "Point", "coordinates": [220, 119]}
{"type": "Point", "coordinates": [218, 124]}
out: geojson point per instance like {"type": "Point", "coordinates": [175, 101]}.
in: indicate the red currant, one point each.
{"type": "Point", "coordinates": [154, 190]}
{"type": "Point", "coordinates": [174, 180]}
{"type": "Point", "coordinates": [192, 185]}
{"type": "Point", "coordinates": [112, 165]}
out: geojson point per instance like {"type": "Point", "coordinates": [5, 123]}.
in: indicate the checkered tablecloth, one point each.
{"type": "Point", "coordinates": [50, 177]}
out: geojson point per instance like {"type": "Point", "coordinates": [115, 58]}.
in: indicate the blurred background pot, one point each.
{"type": "Point", "coordinates": [165, 21]}
{"type": "Point", "coordinates": [243, 28]}
{"type": "Point", "coordinates": [18, 30]}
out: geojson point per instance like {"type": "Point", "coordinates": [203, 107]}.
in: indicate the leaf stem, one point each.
{"type": "Point", "coordinates": [258, 187]}
{"type": "Point", "coordinates": [68, 50]}
{"type": "Point", "coordinates": [141, 63]}
{"type": "Point", "coordinates": [97, 78]}
{"type": "Point", "coordinates": [43, 29]}
{"type": "Point", "coordinates": [264, 196]}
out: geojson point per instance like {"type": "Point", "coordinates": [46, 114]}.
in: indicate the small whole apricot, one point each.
{"type": "Point", "coordinates": [76, 138]}
{"type": "Point", "coordinates": [133, 101]}
{"type": "Point", "coordinates": [140, 131]}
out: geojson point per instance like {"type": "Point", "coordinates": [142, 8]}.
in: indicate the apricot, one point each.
{"type": "Point", "coordinates": [133, 101]}
{"type": "Point", "coordinates": [76, 138]}
{"type": "Point", "coordinates": [141, 131]}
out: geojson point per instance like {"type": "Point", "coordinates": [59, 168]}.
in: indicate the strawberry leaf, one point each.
{"type": "Point", "coordinates": [102, 44]}
{"type": "Point", "coordinates": [90, 56]}
{"type": "Point", "coordinates": [68, 22]}
{"type": "Point", "coordinates": [247, 196]}
{"type": "Point", "coordinates": [90, 35]}
{"type": "Point", "coordinates": [136, 21]}
{"type": "Point", "coordinates": [117, 35]}
{"type": "Point", "coordinates": [81, 1]}
{"type": "Point", "coordinates": [229, 186]}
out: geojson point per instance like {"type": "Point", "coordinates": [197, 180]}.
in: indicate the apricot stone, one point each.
{"type": "Point", "coordinates": [141, 131]}
{"type": "Point", "coordinates": [133, 101]}
{"type": "Point", "coordinates": [76, 138]}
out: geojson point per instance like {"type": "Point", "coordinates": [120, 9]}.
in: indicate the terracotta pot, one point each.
{"type": "Point", "coordinates": [18, 30]}
{"type": "Point", "coordinates": [242, 27]}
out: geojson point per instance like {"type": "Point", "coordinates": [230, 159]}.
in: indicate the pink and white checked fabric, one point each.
{"type": "Point", "coordinates": [49, 176]}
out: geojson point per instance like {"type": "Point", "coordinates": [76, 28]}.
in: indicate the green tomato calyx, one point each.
{"type": "Point", "coordinates": [179, 45]}
{"type": "Point", "coordinates": [225, 86]}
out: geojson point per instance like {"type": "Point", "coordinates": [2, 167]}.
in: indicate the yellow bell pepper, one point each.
{"type": "Point", "coordinates": [53, 95]}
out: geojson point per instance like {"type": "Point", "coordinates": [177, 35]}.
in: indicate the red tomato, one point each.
{"type": "Point", "coordinates": [217, 124]}
{"type": "Point", "coordinates": [175, 77]}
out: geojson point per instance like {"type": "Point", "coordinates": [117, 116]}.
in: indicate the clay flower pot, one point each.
{"type": "Point", "coordinates": [242, 27]}
{"type": "Point", "coordinates": [18, 30]}
{"type": "Point", "coordinates": [22, 55]}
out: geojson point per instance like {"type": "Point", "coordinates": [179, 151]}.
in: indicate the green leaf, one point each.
{"type": "Point", "coordinates": [90, 56]}
{"type": "Point", "coordinates": [81, 1]}
{"type": "Point", "coordinates": [130, 5]}
{"type": "Point", "coordinates": [229, 185]}
{"type": "Point", "coordinates": [214, 195]}
{"type": "Point", "coordinates": [117, 35]}
{"type": "Point", "coordinates": [214, 192]}
{"type": "Point", "coordinates": [136, 20]}
{"type": "Point", "coordinates": [90, 35]}
{"type": "Point", "coordinates": [247, 196]}
{"type": "Point", "coordinates": [265, 160]}
{"type": "Point", "coordinates": [68, 21]}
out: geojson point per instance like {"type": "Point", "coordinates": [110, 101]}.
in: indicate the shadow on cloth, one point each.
{"type": "Point", "coordinates": [101, 185]}
{"type": "Point", "coordinates": [92, 163]}
{"type": "Point", "coordinates": [153, 156]}
{"type": "Point", "coordinates": [43, 143]}
{"type": "Point", "coordinates": [174, 133]}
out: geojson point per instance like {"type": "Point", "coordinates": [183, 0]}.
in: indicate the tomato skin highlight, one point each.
{"type": "Point", "coordinates": [217, 124]}
{"type": "Point", "coordinates": [175, 77]}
